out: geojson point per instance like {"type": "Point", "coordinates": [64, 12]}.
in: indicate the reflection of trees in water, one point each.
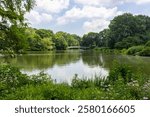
{"type": "Point", "coordinates": [91, 58]}
{"type": "Point", "coordinates": [94, 58]}
{"type": "Point", "coordinates": [41, 61]}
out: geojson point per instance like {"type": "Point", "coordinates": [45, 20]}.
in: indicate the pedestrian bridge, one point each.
{"type": "Point", "coordinates": [78, 47]}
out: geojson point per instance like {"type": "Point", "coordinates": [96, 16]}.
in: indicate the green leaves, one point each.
{"type": "Point", "coordinates": [128, 30]}
{"type": "Point", "coordinates": [12, 23]}
{"type": "Point", "coordinates": [14, 10]}
{"type": "Point", "coordinates": [122, 83]}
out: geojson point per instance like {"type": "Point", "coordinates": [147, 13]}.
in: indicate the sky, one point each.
{"type": "Point", "coordinates": [82, 16]}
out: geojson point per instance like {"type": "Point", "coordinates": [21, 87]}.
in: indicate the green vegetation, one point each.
{"type": "Point", "coordinates": [135, 50]}
{"type": "Point", "coordinates": [12, 25]}
{"type": "Point", "coordinates": [16, 37]}
{"type": "Point", "coordinates": [139, 50]}
{"type": "Point", "coordinates": [124, 32]}
{"type": "Point", "coordinates": [29, 39]}
{"type": "Point", "coordinates": [122, 83]}
{"type": "Point", "coordinates": [43, 40]}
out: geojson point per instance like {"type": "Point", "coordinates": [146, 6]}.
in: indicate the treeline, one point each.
{"type": "Point", "coordinates": [41, 39]}
{"type": "Point", "coordinates": [23, 39]}
{"type": "Point", "coordinates": [124, 31]}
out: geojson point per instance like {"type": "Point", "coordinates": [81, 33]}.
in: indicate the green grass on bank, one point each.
{"type": "Point", "coordinates": [121, 84]}
{"type": "Point", "coordinates": [135, 50]}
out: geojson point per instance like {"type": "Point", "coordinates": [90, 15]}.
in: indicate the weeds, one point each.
{"type": "Point", "coordinates": [122, 83]}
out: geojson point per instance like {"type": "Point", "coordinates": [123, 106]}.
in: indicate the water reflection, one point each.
{"type": "Point", "coordinates": [67, 72]}
{"type": "Point", "coordinates": [63, 65]}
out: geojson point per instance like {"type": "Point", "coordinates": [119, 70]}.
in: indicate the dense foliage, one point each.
{"type": "Point", "coordinates": [124, 32]}
{"type": "Point", "coordinates": [139, 50]}
{"type": "Point", "coordinates": [12, 23]}
{"type": "Point", "coordinates": [16, 37]}
{"type": "Point", "coordinates": [42, 39]}
{"type": "Point", "coordinates": [122, 83]}
{"type": "Point", "coordinates": [37, 40]}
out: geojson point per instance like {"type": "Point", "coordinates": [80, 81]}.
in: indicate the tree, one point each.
{"type": "Point", "coordinates": [90, 39]}
{"type": "Point", "coordinates": [127, 30]}
{"type": "Point", "coordinates": [72, 40]}
{"type": "Point", "coordinates": [60, 41]}
{"type": "Point", "coordinates": [12, 17]}
{"type": "Point", "coordinates": [16, 40]}
{"type": "Point", "coordinates": [43, 33]}
{"type": "Point", "coordinates": [12, 11]}
{"type": "Point", "coordinates": [103, 38]}
{"type": "Point", "coordinates": [121, 27]}
{"type": "Point", "coordinates": [47, 44]}
{"type": "Point", "coordinates": [77, 38]}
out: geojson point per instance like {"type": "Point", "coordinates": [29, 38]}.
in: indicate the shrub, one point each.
{"type": "Point", "coordinates": [134, 50]}
{"type": "Point", "coordinates": [145, 52]}
{"type": "Point", "coordinates": [122, 83]}
{"type": "Point", "coordinates": [118, 71]}
{"type": "Point", "coordinates": [147, 44]}
{"type": "Point", "coordinates": [81, 83]}
{"type": "Point", "coordinates": [11, 77]}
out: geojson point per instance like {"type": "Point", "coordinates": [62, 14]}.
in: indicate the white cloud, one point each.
{"type": "Point", "coordinates": [139, 1]}
{"type": "Point", "coordinates": [96, 18]}
{"type": "Point", "coordinates": [52, 6]}
{"type": "Point", "coordinates": [35, 17]}
{"type": "Point", "coordinates": [95, 25]}
{"type": "Point", "coordinates": [99, 2]}
{"type": "Point", "coordinates": [109, 2]}
{"type": "Point", "coordinates": [42, 13]}
{"type": "Point", "coordinates": [88, 12]}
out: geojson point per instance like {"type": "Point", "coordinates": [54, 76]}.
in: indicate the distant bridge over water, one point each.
{"type": "Point", "coordinates": [78, 47]}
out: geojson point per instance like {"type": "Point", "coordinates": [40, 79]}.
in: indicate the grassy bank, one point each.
{"type": "Point", "coordinates": [135, 51]}
{"type": "Point", "coordinates": [141, 50]}
{"type": "Point", "coordinates": [122, 83]}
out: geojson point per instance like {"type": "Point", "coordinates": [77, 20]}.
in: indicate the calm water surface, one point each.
{"type": "Point", "coordinates": [63, 65]}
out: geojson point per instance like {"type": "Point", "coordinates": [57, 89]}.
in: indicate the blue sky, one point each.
{"type": "Point", "coordinates": [82, 16]}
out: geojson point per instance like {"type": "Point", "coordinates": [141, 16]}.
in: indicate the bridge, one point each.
{"type": "Point", "coordinates": [78, 47]}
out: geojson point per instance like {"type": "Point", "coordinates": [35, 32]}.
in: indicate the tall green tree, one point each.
{"type": "Point", "coordinates": [90, 39]}
{"type": "Point", "coordinates": [12, 22]}
{"type": "Point", "coordinates": [60, 41]}
{"type": "Point", "coordinates": [127, 25]}
{"type": "Point", "coordinates": [121, 27]}
{"type": "Point", "coordinates": [13, 11]}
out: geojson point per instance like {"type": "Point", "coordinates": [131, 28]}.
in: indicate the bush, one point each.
{"type": "Point", "coordinates": [145, 52]}
{"type": "Point", "coordinates": [120, 72]}
{"type": "Point", "coordinates": [134, 50]}
{"type": "Point", "coordinates": [11, 79]}
{"type": "Point", "coordinates": [122, 83]}
{"type": "Point", "coordinates": [147, 44]}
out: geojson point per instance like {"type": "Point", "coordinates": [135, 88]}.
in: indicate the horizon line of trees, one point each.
{"type": "Point", "coordinates": [123, 32]}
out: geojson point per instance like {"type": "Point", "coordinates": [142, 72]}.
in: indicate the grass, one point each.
{"type": "Point", "coordinates": [121, 84]}
{"type": "Point", "coordinates": [142, 50]}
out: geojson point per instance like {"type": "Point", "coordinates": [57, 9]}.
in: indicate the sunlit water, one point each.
{"type": "Point", "coordinates": [63, 65]}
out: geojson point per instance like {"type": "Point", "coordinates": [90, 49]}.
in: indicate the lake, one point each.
{"type": "Point", "coordinates": [63, 65]}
